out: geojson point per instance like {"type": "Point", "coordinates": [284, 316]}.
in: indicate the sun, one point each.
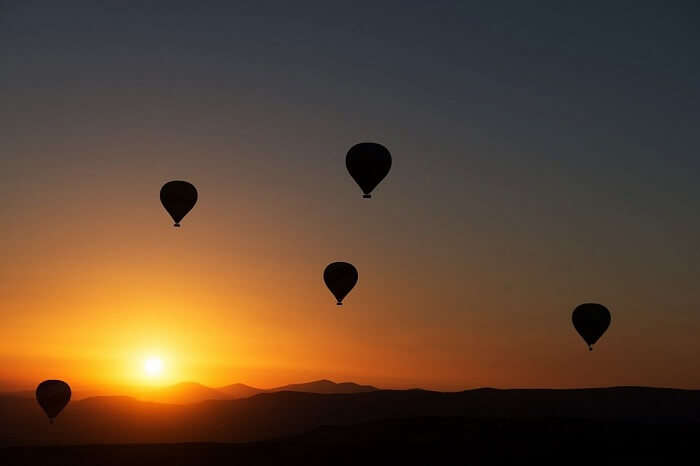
{"type": "Point", "coordinates": [153, 366]}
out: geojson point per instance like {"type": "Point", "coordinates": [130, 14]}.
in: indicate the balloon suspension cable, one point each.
{"type": "Point", "coordinates": [177, 225]}
{"type": "Point", "coordinates": [366, 196]}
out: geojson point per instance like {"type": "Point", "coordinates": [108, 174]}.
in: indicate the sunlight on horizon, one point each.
{"type": "Point", "coordinates": [153, 366]}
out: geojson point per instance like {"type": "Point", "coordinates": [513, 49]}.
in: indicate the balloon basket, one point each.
{"type": "Point", "coordinates": [366, 196]}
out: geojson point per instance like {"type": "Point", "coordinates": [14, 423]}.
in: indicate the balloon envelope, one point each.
{"type": "Point", "coordinates": [340, 278]}
{"type": "Point", "coordinates": [178, 198]}
{"type": "Point", "coordinates": [53, 396]}
{"type": "Point", "coordinates": [368, 164]}
{"type": "Point", "coordinates": [591, 320]}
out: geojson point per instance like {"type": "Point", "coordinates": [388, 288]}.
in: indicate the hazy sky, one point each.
{"type": "Point", "coordinates": [544, 156]}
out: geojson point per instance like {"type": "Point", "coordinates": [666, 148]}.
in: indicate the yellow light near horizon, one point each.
{"type": "Point", "coordinates": [153, 366]}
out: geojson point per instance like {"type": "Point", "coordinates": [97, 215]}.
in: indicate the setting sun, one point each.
{"type": "Point", "coordinates": [153, 366]}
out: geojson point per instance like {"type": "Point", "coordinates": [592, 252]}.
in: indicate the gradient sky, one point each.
{"type": "Point", "coordinates": [544, 156]}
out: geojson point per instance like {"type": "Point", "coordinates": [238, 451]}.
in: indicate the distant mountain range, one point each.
{"type": "Point", "coordinates": [192, 392]}
{"type": "Point", "coordinates": [264, 416]}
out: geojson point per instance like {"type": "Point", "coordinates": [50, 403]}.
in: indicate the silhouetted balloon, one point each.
{"type": "Point", "coordinates": [178, 198]}
{"type": "Point", "coordinates": [591, 321]}
{"type": "Point", "coordinates": [340, 278]}
{"type": "Point", "coordinates": [53, 396]}
{"type": "Point", "coordinates": [368, 164]}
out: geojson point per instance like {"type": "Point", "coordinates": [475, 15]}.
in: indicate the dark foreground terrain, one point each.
{"type": "Point", "coordinates": [429, 441]}
{"type": "Point", "coordinates": [625, 425]}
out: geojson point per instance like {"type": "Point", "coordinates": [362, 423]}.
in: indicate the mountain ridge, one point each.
{"type": "Point", "coordinates": [189, 392]}
{"type": "Point", "coordinates": [272, 415]}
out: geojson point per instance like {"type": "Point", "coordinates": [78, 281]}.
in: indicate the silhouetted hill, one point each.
{"type": "Point", "coordinates": [270, 415]}
{"type": "Point", "coordinates": [318, 386]}
{"type": "Point", "coordinates": [239, 390]}
{"type": "Point", "coordinates": [182, 393]}
{"type": "Point", "coordinates": [325, 386]}
{"type": "Point", "coordinates": [190, 392]}
{"type": "Point", "coordinates": [424, 441]}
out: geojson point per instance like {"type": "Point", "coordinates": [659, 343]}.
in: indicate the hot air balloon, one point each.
{"type": "Point", "coordinates": [368, 164]}
{"type": "Point", "coordinates": [591, 320]}
{"type": "Point", "coordinates": [178, 198]}
{"type": "Point", "coordinates": [53, 396]}
{"type": "Point", "coordinates": [340, 278]}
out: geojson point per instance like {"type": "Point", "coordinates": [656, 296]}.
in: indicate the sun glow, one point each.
{"type": "Point", "coordinates": [153, 366]}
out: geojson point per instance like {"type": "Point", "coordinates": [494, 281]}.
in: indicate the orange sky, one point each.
{"type": "Point", "coordinates": [236, 295]}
